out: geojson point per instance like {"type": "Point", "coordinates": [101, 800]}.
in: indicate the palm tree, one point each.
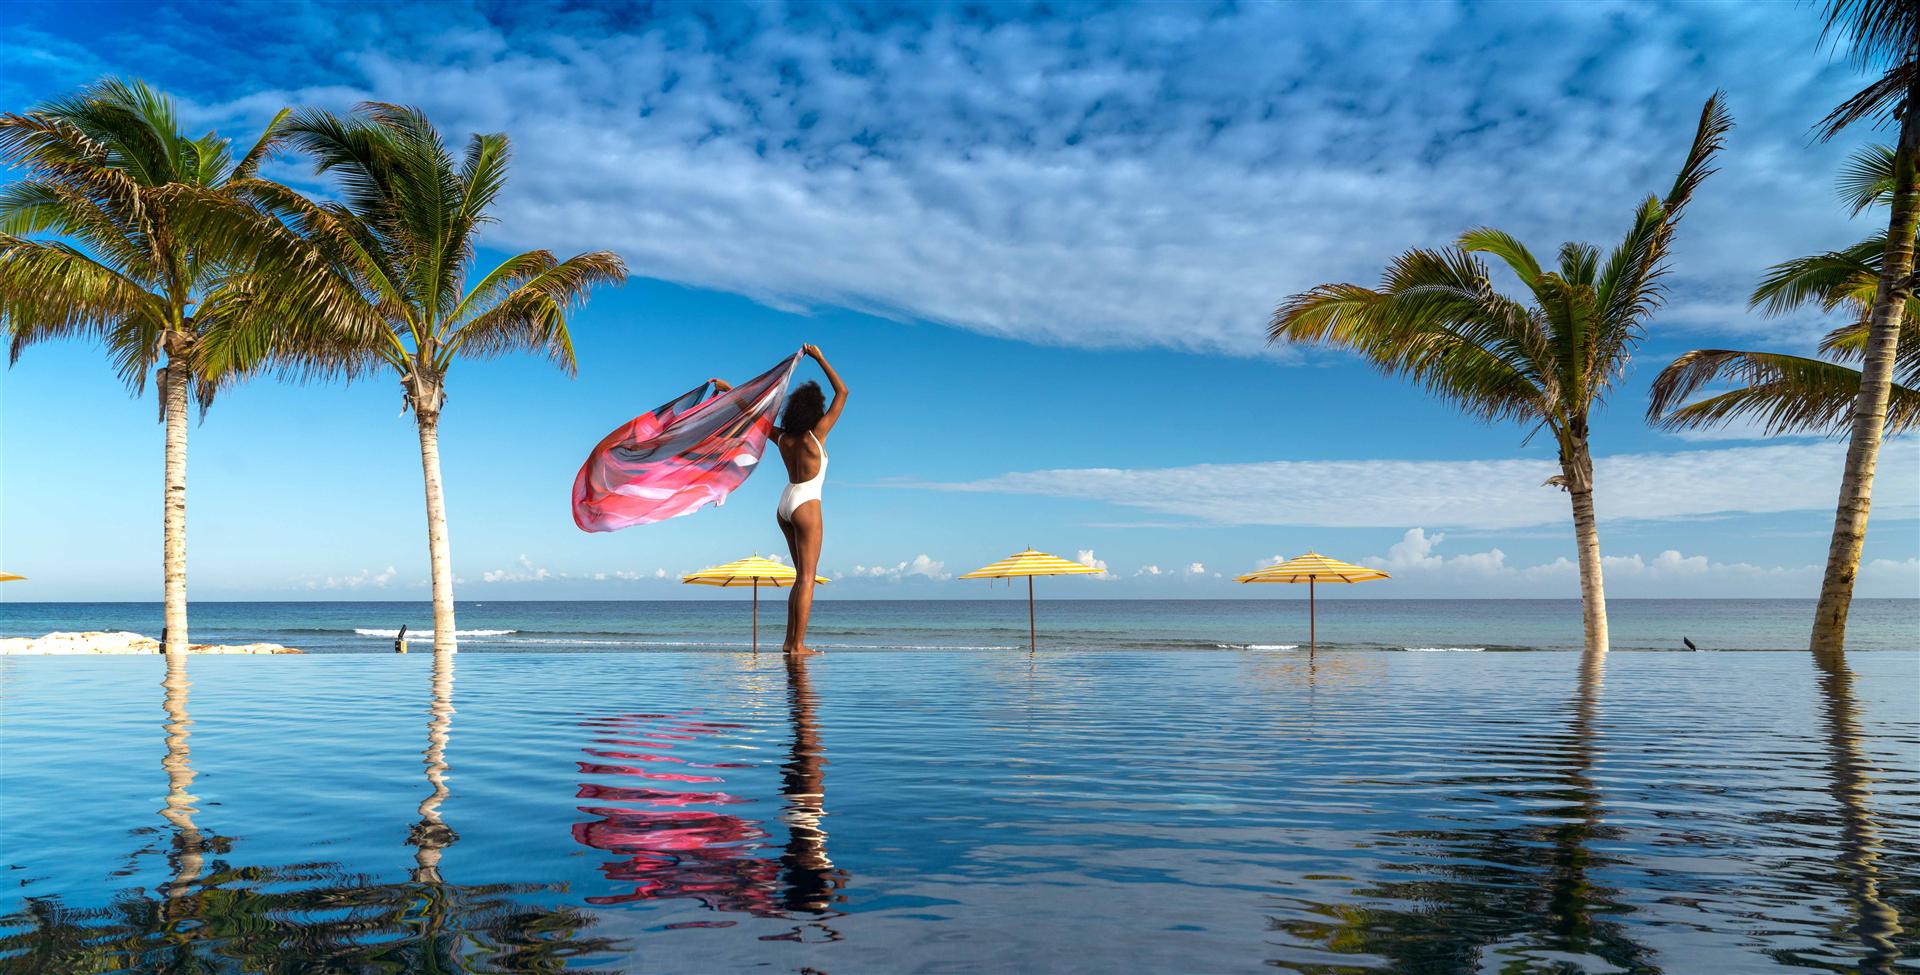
{"type": "Point", "coordinates": [121, 193]}
{"type": "Point", "coordinates": [1437, 320]}
{"type": "Point", "coordinates": [1884, 35]}
{"type": "Point", "coordinates": [398, 246]}
{"type": "Point", "coordinates": [1802, 394]}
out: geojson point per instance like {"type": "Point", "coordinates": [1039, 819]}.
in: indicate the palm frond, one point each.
{"type": "Point", "coordinates": [1708, 139]}
{"type": "Point", "coordinates": [59, 153]}
{"type": "Point", "coordinates": [1826, 280]}
{"type": "Point", "coordinates": [137, 123]}
{"type": "Point", "coordinates": [1848, 343]}
{"type": "Point", "coordinates": [1884, 100]}
{"type": "Point", "coordinates": [1786, 393]}
{"type": "Point", "coordinates": [36, 207]}
{"type": "Point", "coordinates": [263, 149]}
{"type": "Point", "coordinates": [1866, 178]}
{"type": "Point", "coordinates": [1876, 31]}
{"type": "Point", "coordinates": [51, 289]}
{"type": "Point", "coordinates": [533, 316]}
{"type": "Point", "coordinates": [1436, 321]}
{"type": "Point", "coordinates": [1506, 247]}
{"type": "Point", "coordinates": [1879, 35]}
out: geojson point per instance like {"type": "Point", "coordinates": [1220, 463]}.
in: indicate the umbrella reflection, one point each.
{"type": "Point", "coordinates": [1876, 923]}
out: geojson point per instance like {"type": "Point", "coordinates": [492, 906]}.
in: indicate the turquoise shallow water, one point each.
{"type": "Point", "coordinates": [963, 811]}
{"type": "Point", "coordinates": [1000, 623]}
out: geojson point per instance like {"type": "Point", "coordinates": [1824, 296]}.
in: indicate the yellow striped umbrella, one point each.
{"type": "Point", "coordinates": [1029, 564]}
{"type": "Point", "coordinates": [10, 577]}
{"type": "Point", "coordinates": [751, 571]}
{"type": "Point", "coordinates": [1311, 568]}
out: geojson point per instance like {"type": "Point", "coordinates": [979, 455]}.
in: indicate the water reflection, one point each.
{"type": "Point", "coordinates": [215, 914]}
{"type": "Point", "coordinates": [188, 846]}
{"type": "Point", "coordinates": [673, 833]}
{"type": "Point", "coordinates": [1875, 923]}
{"type": "Point", "coordinates": [430, 835]}
{"type": "Point", "coordinates": [812, 883]}
{"type": "Point", "coordinates": [1479, 884]}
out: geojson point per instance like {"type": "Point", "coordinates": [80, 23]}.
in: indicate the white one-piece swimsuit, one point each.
{"type": "Point", "coordinates": [798, 493]}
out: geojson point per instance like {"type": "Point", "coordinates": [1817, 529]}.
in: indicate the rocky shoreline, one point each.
{"type": "Point", "coordinates": [120, 642]}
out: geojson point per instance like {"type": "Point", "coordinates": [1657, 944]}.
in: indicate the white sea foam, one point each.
{"type": "Point", "coordinates": [1258, 646]}
{"type": "Point", "coordinates": [1445, 649]}
{"type": "Point", "coordinates": [424, 634]}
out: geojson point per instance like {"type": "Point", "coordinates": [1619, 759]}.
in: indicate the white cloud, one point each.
{"type": "Point", "coordinates": [1486, 494]}
{"type": "Point", "coordinates": [364, 579]}
{"type": "Point", "coordinates": [1418, 566]}
{"type": "Point", "coordinates": [525, 571]}
{"type": "Point", "coordinates": [1108, 177]}
{"type": "Point", "coordinates": [630, 575]}
{"type": "Point", "coordinates": [1148, 570]}
{"type": "Point", "coordinates": [919, 565]}
{"type": "Point", "coordinates": [1196, 569]}
{"type": "Point", "coordinates": [1085, 557]}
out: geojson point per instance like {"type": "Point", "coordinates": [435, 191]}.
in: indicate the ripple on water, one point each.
{"type": "Point", "coordinates": [1203, 811]}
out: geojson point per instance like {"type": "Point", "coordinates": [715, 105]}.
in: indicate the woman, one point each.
{"type": "Point", "coordinates": [802, 436]}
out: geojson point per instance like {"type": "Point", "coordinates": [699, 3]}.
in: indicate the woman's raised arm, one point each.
{"type": "Point", "coordinates": [821, 429]}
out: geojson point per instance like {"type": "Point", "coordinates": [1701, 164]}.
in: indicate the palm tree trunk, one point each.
{"type": "Point", "coordinates": [173, 543]}
{"type": "Point", "coordinates": [437, 549]}
{"type": "Point", "coordinates": [1578, 470]}
{"type": "Point", "coordinates": [1876, 383]}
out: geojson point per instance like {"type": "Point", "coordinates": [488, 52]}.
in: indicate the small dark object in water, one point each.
{"type": "Point", "coordinates": [1689, 644]}
{"type": "Point", "coordinates": [400, 640]}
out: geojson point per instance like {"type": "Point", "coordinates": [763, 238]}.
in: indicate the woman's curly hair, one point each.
{"type": "Point", "coordinates": [805, 406]}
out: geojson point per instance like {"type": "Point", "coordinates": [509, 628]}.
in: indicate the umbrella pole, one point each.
{"type": "Point", "coordinates": [1313, 633]}
{"type": "Point", "coordinates": [756, 617]}
{"type": "Point", "coordinates": [1033, 637]}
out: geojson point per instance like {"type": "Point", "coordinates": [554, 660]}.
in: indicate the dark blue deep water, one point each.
{"type": "Point", "coordinates": [961, 811]}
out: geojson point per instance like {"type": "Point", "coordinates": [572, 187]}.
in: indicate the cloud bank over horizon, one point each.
{"type": "Point", "coordinates": [1481, 494]}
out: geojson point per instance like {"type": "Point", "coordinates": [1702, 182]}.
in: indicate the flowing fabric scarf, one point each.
{"type": "Point", "coordinates": [689, 452]}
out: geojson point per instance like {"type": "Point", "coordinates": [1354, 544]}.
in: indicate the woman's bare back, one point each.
{"type": "Point", "coordinates": [800, 453]}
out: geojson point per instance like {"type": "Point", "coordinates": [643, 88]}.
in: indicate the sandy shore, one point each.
{"type": "Point", "coordinates": [115, 642]}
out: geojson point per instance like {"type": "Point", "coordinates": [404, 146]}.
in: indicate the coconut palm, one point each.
{"type": "Point", "coordinates": [1437, 320]}
{"type": "Point", "coordinates": [1882, 36]}
{"type": "Point", "coordinates": [399, 245]}
{"type": "Point", "coordinates": [1802, 394]}
{"type": "Point", "coordinates": [119, 193]}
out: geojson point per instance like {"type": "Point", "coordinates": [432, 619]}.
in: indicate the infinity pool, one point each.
{"type": "Point", "coordinates": [967, 811]}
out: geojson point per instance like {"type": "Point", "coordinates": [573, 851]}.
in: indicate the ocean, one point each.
{"type": "Point", "coordinates": [725, 624]}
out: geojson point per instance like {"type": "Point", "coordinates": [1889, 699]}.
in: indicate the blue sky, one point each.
{"type": "Point", "coordinates": [1041, 244]}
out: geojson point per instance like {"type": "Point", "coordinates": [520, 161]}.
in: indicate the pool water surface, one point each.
{"type": "Point", "coordinates": [968, 811]}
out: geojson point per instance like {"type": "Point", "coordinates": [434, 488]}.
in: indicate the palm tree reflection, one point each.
{"type": "Point", "coordinates": [429, 836]}
{"type": "Point", "coordinates": [213, 915]}
{"type": "Point", "coordinates": [1525, 892]}
{"type": "Point", "coordinates": [673, 834]}
{"type": "Point", "coordinates": [189, 847]}
{"type": "Point", "coordinates": [1876, 924]}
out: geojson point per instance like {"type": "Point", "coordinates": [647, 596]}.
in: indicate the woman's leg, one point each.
{"type": "Point", "coordinates": [806, 532]}
{"type": "Point", "coordinates": [793, 554]}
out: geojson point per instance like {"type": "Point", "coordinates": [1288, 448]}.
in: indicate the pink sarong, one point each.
{"type": "Point", "coordinates": [680, 457]}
